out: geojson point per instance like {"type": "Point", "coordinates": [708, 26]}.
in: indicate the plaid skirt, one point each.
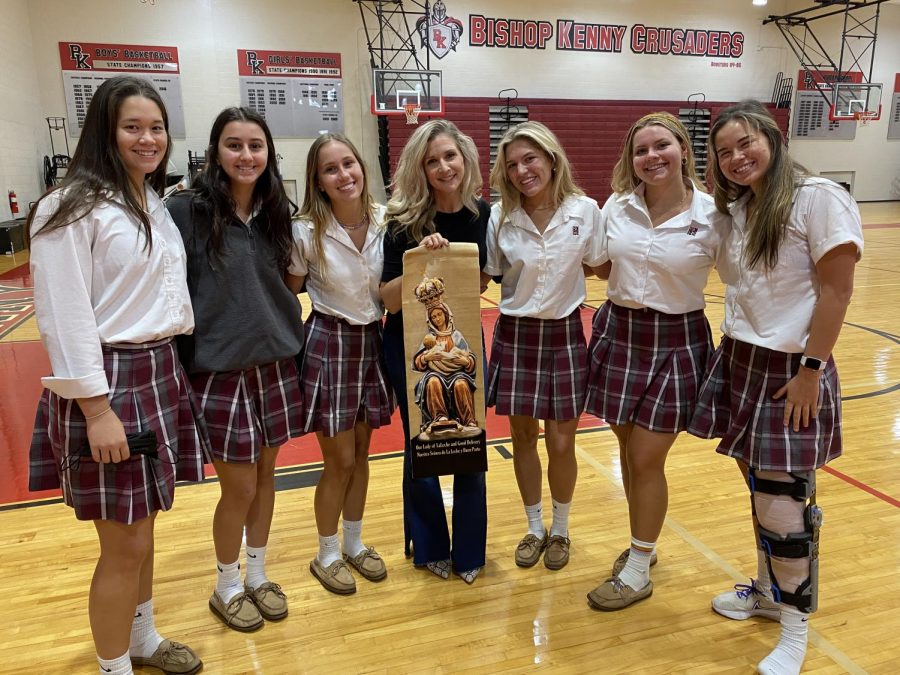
{"type": "Point", "coordinates": [538, 367]}
{"type": "Point", "coordinates": [646, 367]}
{"type": "Point", "coordinates": [148, 390]}
{"type": "Point", "coordinates": [251, 408]}
{"type": "Point", "coordinates": [343, 376]}
{"type": "Point", "coordinates": [736, 405]}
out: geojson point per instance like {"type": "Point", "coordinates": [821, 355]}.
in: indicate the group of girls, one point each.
{"type": "Point", "coordinates": [118, 278]}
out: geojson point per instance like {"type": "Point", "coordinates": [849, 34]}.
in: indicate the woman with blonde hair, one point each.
{"type": "Point", "coordinates": [651, 340]}
{"type": "Point", "coordinates": [338, 253]}
{"type": "Point", "coordinates": [772, 393]}
{"type": "Point", "coordinates": [540, 234]}
{"type": "Point", "coordinates": [436, 201]}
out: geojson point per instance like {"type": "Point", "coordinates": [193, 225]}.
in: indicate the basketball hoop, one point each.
{"type": "Point", "coordinates": [864, 117]}
{"type": "Point", "coordinates": [412, 111]}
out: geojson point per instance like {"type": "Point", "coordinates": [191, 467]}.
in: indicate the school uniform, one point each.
{"type": "Point", "coordinates": [538, 364]}
{"type": "Point", "coordinates": [768, 314]}
{"type": "Point", "coordinates": [108, 305]}
{"type": "Point", "coordinates": [343, 373]}
{"type": "Point", "coordinates": [241, 356]}
{"type": "Point", "coordinates": [651, 342]}
{"type": "Point", "coordinates": [427, 536]}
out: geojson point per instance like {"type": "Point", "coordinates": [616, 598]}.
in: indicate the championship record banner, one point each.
{"type": "Point", "coordinates": [299, 94]}
{"type": "Point", "coordinates": [893, 133]}
{"type": "Point", "coordinates": [445, 363]}
{"type": "Point", "coordinates": [87, 65]}
{"type": "Point", "coordinates": [811, 109]}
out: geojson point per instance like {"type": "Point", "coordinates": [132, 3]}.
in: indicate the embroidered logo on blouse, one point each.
{"type": "Point", "coordinates": [574, 230]}
{"type": "Point", "coordinates": [692, 231]}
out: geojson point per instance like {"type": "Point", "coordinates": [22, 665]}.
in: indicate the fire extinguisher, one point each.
{"type": "Point", "coordinates": [13, 203]}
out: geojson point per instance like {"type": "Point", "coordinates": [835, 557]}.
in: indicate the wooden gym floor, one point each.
{"type": "Point", "coordinates": [511, 619]}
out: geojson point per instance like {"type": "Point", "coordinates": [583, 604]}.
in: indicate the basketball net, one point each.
{"type": "Point", "coordinates": [865, 117]}
{"type": "Point", "coordinates": [412, 111]}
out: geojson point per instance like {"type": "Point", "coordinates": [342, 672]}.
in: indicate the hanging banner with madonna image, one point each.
{"type": "Point", "coordinates": [444, 360]}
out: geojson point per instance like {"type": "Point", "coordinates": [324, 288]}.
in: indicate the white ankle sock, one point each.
{"type": "Point", "coordinates": [560, 524]}
{"type": "Point", "coordinates": [144, 638]}
{"type": "Point", "coordinates": [763, 582]}
{"type": "Point", "coordinates": [636, 572]}
{"type": "Point", "coordinates": [117, 666]}
{"type": "Point", "coordinates": [787, 657]}
{"type": "Point", "coordinates": [256, 566]}
{"type": "Point", "coordinates": [353, 544]}
{"type": "Point", "coordinates": [329, 549]}
{"type": "Point", "coordinates": [535, 514]}
{"type": "Point", "coordinates": [228, 582]}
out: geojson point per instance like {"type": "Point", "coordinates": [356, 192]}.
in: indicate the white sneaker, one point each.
{"type": "Point", "coordinates": [746, 601]}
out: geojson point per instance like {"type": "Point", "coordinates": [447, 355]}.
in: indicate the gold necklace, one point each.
{"type": "Point", "coordinates": [354, 226]}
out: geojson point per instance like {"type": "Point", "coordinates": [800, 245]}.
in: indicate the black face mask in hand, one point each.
{"type": "Point", "coordinates": [141, 443]}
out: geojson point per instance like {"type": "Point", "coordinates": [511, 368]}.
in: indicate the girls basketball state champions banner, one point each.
{"type": "Point", "coordinates": [444, 360]}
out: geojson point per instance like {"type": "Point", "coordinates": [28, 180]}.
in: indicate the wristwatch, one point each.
{"type": "Point", "coordinates": [812, 363]}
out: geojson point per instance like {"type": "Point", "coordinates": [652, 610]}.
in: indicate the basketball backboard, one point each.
{"type": "Point", "coordinates": [853, 100]}
{"type": "Point", "coordinates": [394, 89]}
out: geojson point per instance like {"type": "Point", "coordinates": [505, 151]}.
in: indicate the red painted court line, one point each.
{"type": "Point", "coordinates": [880, 226]}
{"type": "Point", "coordinates": [862, 486]}
{"type": "Point", "coordinates": [15, 273]}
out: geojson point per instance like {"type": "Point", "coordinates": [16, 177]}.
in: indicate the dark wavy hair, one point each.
{"type": "Point", "coordinates": [96, 168]}
{"type": "Point", "coordinates": [212, 191]}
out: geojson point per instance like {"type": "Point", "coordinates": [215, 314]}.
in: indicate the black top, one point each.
{"type": "Point", "coordinates": [244, 313]}
{"type": "Point", "coordinates": [459, 227]}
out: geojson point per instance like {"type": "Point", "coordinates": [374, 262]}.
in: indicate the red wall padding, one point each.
{"type": "Point", "coordinates": [590, 131]}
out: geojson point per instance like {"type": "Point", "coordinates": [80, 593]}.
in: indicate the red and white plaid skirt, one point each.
{"type": "Point", "coordinates": [646, 367]}
{"type": "Point", "coordinates": [538, 367]}
{"type": "Point", "coordinates": [148, 390]}
{"type": "Point", "coordinates": [736, 405]}
{"type": "Point", "coordinates": [343, 376]}
{"type": "Point", "coordinates": [251, 408]}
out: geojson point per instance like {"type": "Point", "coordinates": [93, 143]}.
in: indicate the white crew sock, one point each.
{"type": "Point", "coordinates": [256, 566]}
{"type": "Point", "coordinates": [353, 544]}
{"type": "Point", "coordinates": [144, 638]}
{"type": "Point", "coordinates": [228, 582]}
{"type": "Point", "coordinates": [117, 666]}
{"type": "Point", "coordinates": [329, 549]}
{"type": "Point", "coordinates": [560, 524]}
{"type": "Point", "coordinates": [787, 657]}
{"type": "Point", "coordinates": [636, 572]}
{"type": "Point", "coordinates": [535, 514]}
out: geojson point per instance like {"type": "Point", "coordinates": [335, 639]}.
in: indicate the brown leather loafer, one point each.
{"type": "Point", "coordinates": [529, 550]}
{"type": "Point", "coordinates": [240, 614]}
{"type": "Point", "coordinates": [621, 561]}
{"type": "Point", "coordinates": [336, 578]}
{"type": "Point", "coordinates": [369, 564]}
{"type": "Point", "coordinates": [613, 595]}
{"type": "Point", "coordinates": [270, 600]}
{"type": "Point", "coordinates": [173, 658]}
{"type": "Point", "coordinates": [557, 554]}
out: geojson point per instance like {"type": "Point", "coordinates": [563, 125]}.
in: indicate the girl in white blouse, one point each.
{"type": "Point", "coordinates": [110, 293]}
{"type": "Point", "coordinates": [651, 341]}
{"type": "Point", "coordinates": [772, 394]}
{"type": "Point", "coordinates": [540, 234]}
{"type": "Point", "coordinates": [338, 252]}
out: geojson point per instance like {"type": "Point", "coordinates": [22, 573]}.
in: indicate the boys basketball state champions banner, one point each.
{"type": "Point", "coordinates": [444, 360]}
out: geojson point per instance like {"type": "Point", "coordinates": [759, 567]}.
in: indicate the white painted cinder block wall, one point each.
{"type": "Point", "coordinates": [208, 33]}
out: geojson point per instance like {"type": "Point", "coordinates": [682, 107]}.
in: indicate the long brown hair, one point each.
{"type": "Point", "coordinates": [96, 170]}
{"type": "Point", "coordinates": [212, 191]}
{"type": "Point", "coordinates": [767, 226]}
{"type": "Point", "coordinates": [316, 202]}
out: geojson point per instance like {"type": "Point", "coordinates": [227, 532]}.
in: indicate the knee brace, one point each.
{"type": "Point", "coordinates": [789, 529]}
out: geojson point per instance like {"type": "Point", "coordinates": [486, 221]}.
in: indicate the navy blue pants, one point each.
{"type": "Point", "coordinates": [424, 518]}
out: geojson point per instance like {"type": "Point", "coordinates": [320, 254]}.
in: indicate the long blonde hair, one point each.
{"type": "Point", "coordinates": [541, 138]}
{"type": "Point", "coordinates": [411, 209]}
{"type": "Point", "coordinates": [316, 203]}
{"type": "Point", "coordinates": [767, 226]}
{"type": "Point", "coordinates": [625, 179]}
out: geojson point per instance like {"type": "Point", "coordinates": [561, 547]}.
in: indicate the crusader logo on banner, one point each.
{"type": "Point", "coordinates": [439, 32]}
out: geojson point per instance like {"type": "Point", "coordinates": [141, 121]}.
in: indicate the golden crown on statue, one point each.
{"type": "Point", "coordinates": [430, 292]}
